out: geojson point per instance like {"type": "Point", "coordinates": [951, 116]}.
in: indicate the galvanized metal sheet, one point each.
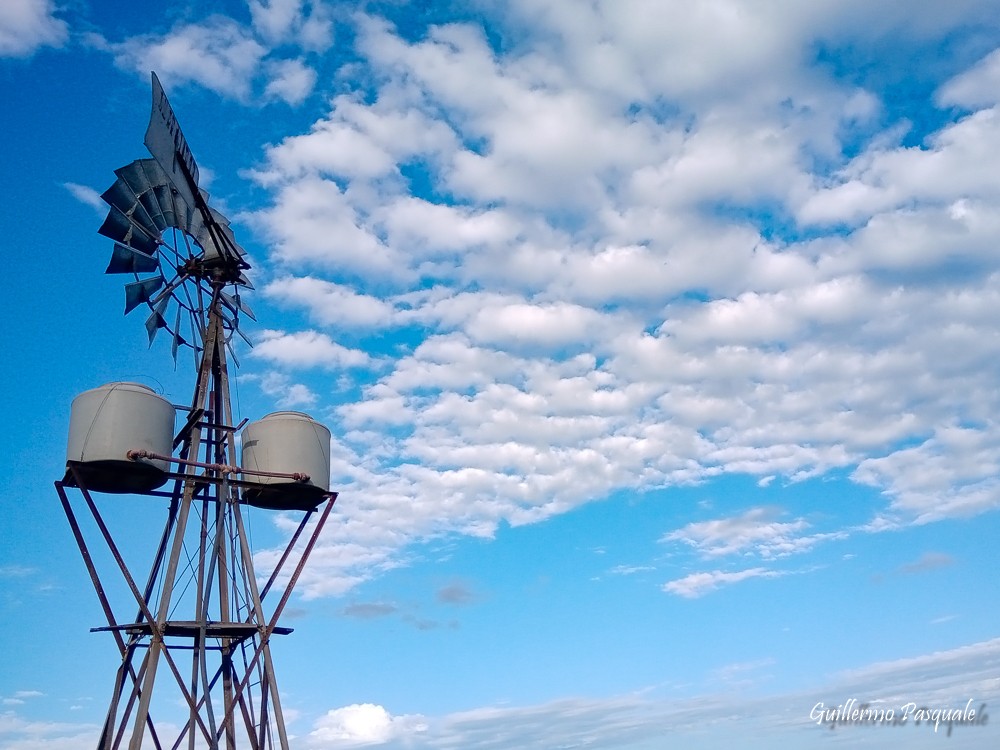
{"type": "Point", "coordinates": [178, 340]}
{"type": "Point", "coordinates": [168, 146]}
{"type": "Point", "coordinates": [156, 321]}
{"type": "Point", "coordinates": [141, 291]}
{"type": "Point", "coordinates": [125, 259]}
{"type": "Point", "coordinates": [121, 228]}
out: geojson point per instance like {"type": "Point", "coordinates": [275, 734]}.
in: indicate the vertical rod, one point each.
{"type": "Point", "coordinates": [156, 645]}
{"type": "Point", "coordinates": [225, 453]}
{"type": "Point", "coordinates": [260, 650]}
{"type": "Point", "coordinates": [258, 611]}
{"type": "Point", "coordinates": [198, 642]}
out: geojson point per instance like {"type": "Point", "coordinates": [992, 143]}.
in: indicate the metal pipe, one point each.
{"type": "Point", "coordinates": [135, 455]}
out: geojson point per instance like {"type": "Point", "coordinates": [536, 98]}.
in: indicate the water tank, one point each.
{"type": "Point", "coordinates": [286, 442]}
{"type": "Point", "coordinates": [107, 422]}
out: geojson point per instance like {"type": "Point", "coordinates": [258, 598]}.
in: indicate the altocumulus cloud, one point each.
{"type": "Point", "coordinates": [306, 349]}
{"type": "Point", "coordinates": [600, 267]}
{"type": "Point", "coordinates": [699, 584]}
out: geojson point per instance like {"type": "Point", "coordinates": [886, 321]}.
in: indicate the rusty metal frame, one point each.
{"type": "Point", "coordinates": [128, 647]}
{"type": "Point", "coordinates": [222, 556]}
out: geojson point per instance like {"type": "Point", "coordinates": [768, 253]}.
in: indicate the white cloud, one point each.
{"type": "Point", "coordinates": [87, 196]}
{"type": "Point", "coordinates": [313, 222]}
{"type": "Point", "coordinates": [275, 18]}
{"type": "Point", "coordinates": [306, 349]}
{"type": "Point", "coordinates": [282, 21]}
{"type": "Point", "coordinates": [698, 584]}
{"type": "Point", "coordinates": [432, 228]}
{"type": "Point", "coordinates": [755, 530]}
{"type": "Point", "coordinates": [548, 325]}
{"type": "Point", "coordinates": [330, 304]}
{"type": "Point", "coordinates": [976, 87]}
{"type": "Point", "coordinates": [953, 473]}
{"type": "Point", "coordinates": [218, 53]}
{"type": "Point", "coordinates": [20, 733]}
{"type": "Point", "coordinates": [954, 164]}
{"type": "Point", "coordinates": [332, 149]}
{"type": "Point", "coordinates": [27, 25]}
{"type": "Point", "coordinates": [290, 80]}
{"type": "Point", "coordinates": [298, 395]}
{"type": "Point", "coordinates": [288, 394]}
{"type": "Point", "coordinates": [361, 725]}
{"type": "Point", "coordinates": [628, 570]}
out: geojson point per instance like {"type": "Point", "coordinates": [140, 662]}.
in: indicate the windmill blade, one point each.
{"type": "Point", "coordinates": [121, 196]}
{"type": "Point", "coordinates": [245, 338]}
{"type": "Point", "coordinates": [232, 324]}
{"type": "Point", "coordinates": [227, 232]}
{"type": "Point", "coordinates": [119, 227]}
{"type": "Point", "coordinates": [178, 340]}
{"type": "Point", "coordinates": [186, 212]}
{"type": "Point", "coordinates": [164, 199]}
{"type": "Point", "coordinates": [176, 210]}
{"type": "Point", "coordinates": [152, 205]}
{"type": "Point", "coordinates": [201, 233]}
{"type": "Point", "coordinates": [134, 176]}
{"type": "Point", "coordinates": [141, 291]}
{"type": "Point", "coordinates": [244, 307]}
{"type": "Point", "coordinates": [219, 217]}
{"type": "Point", "coordinates": [151, 185]}
{"type": "Point", "coordinates": [223, 236]}
{"type": "Point", "coordinates": [229, 323]}
{"type": "Point", "coordinates": [156, 321]}
{"type": "Point", "coordinates": [198, 330]}
{"type": "Point", "coordinates": [197, 356]}
{"type": "Point", "coordinates": [164, 204]}
{"type": "Point", "coordinates": [125, 259]}
{"type": "Point", "coordinates": [164, 294]}
{"type": "Point", "coordinates": [232, 354]}
{"type": "Point", "coordinates": [212, 233]}
{"type": "Point", "coordinates": [210, 236]}
{"type": "Point", "coordinates": [232, 246]}
{"type": "Point", "coordinates": [152, 172]}
{"type": "Point", "coordinates": [244, 281]}
{"type": "Point", "coordinates": [235, 304]}
{"type": "Point", "coordinates": [142, 174]}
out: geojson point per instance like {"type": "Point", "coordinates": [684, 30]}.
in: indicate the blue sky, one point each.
{"type": "Point", "coordinates": [658, 342]}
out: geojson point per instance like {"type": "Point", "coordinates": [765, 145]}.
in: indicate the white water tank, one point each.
{"type": "Point", "coordinates": [286, 442]}
{"type": "Point", "coordinates": [107, 422]}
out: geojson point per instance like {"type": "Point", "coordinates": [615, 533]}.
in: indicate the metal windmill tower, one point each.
{"type": "Point", "coordinates": [199, 625]}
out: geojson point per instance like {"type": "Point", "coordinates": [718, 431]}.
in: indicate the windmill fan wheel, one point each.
{"type": "Point", "coordinates": [178, 255]}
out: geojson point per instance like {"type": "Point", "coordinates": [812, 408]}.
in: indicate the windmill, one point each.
{"type": "Point", "coordinates": [200, 624]}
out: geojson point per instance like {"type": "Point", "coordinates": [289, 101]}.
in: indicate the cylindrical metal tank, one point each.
{"type": "Point", "coordinates": [286, 442]}
{"type": "Point", "coordinates": [107, 422]}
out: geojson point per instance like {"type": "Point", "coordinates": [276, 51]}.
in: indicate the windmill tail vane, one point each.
{"type": "Point", "coordinates": [198, 633]}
